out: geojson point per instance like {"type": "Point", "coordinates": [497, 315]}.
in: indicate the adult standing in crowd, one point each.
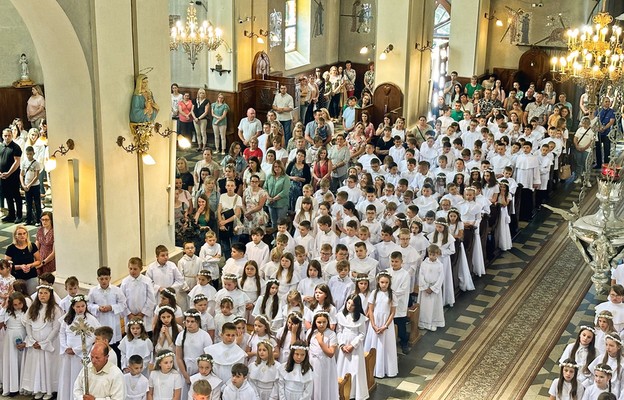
{"type": "Point", "coordinates": [249, 127]}
{"type": "Point", "coordinates": [339, 156]}
{"type": "Point", "coordinates": [582, 147]}
{"type": "Point", "coordinates": [283, 104]}
{"type": "Point", "coordinates": [106, 380]}
{"type": "Point", "coordinates": [35, 108]}
{"type": "Point", "coordinates": [24, 257]}
{"type": "Point", "coordinates": [349, 79]}
{"type": "Point", "coordinates": [44, 240]}
{"type": "Point", "coordinates": [176, 98]}
{"type": "Point", "coordinates": [185, 117]}
{"type": "Point", "coordinates": [201, 114]}
{"type": "Point", "coordinates": [219, 122]}
{"type": "Point", "coordinates": [10, 158]}
{"type": "Point", "coordinates": [277, 186]}
{"type": "Point", "coordinates": [606, 116]}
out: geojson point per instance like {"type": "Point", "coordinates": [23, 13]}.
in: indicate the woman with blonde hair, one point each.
{"type": "Point", "coordinates": [24, 257]}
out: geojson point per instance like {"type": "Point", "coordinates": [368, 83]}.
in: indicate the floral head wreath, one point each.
{"type": "Point", "coordinates": [264, 319]}
{"type": "Point", "coordinates": [615, 339]}
{"type": "Point", "coordinates": [232, 277]}
{"type": "Point", "coordinates": [384, 273]}
{"type": "Point", "coordinates": [48, 287]}
{"type": "Point", "coordinates": [323, 313]}
{"type": "Point", "coordinates": [168, 308]}
{"type": "Point", "coordinates": [205, 357]}
{"type": "Point", "coordinates": [569, 365]}
{"type": "Point", "coordinates": [587, 328]}
{"type": "Point", "coordinates": [362, 278]}
{"type": "Point", "coordinates": [504, 183]}
{"type": "Point", "coordinates": [273, 280]}
{"type": "Point", "coordinates": [605, 314]}
{"type": "Point", "coordinates": [164, 355]}
{"type": "Point", "coordinates": [267, 343]}
{"type": "Point", "coordinates": [227, 298]}
{"type": "Point", "coordinates": [193, 314]}
{"type": "Point", "coordinates": [204, 272]}
{"type": "Point", "coordinates": [297, 347]}
{"type": "Point", "coordinates": [606, 370]}
{"type": "Point", "coordinates": [199, 297]}
{"type": "Point", "coordinates": [77, 298]}
{"type": "Point", "coordinates": [441, 223]}
{"type": "Point", "coordinates": [238, 319]}
{"type": "Point", "coordinates": [453, 209]}
{"type": "Point", "coordinates": [135, 322]}
{"type": "Point", "coordinates": [168, 292]}
{"type": "Point", "coordinates": [295, 314]}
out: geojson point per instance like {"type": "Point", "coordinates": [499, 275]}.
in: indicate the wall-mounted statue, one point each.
{"type": "Point", "coordinates": [143, 107]}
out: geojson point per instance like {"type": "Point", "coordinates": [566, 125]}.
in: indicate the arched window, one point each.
{"type": "Point", "coordinates": [439, 54]}
{"type": "Point", "coordinates": [297, 22]}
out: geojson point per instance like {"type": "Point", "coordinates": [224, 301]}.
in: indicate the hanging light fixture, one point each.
{"type": "Point", "coordinates": [193, 37]}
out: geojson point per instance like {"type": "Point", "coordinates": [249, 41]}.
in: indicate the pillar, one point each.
{"type": "Point", "coordinates": [468, 38]}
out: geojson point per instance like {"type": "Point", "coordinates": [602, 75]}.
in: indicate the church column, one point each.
{"type": "Point", "coordinates": [403, 25]}
{"type": "Point", "coordinates": [468, 38]}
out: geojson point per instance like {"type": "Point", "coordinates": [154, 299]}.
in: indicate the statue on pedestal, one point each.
{"type": "Point", "coordinates": [24, 73]}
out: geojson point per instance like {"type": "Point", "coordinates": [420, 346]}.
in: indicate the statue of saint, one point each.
{"type": "Point", "coordinates": [24, 67]}
{"type": "Point", "coordinates": [143, 108]}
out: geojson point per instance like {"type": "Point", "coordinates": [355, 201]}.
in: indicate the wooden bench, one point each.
{"type": "Point", "coordinates": [344, 387]}
{"type": "Point", "coordinates": [370, 358]}
{"type": "Point", "coordinates": [413, 314]}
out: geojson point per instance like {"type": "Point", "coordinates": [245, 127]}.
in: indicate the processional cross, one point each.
{"type": "Point", "coordinates": [80, 327]}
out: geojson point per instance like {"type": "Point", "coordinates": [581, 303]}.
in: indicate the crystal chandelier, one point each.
{"type": "Point", "coordinates": [595, 61]}
{"type": "Point", "coordinates": [193, 37]}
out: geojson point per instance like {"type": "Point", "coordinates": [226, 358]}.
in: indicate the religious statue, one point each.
{"type": "Point", "coordinates": [24, 67]}
{"type": "Point", "coordinates": [318, 18]}
{"type": "Point", "coordinates": [143, 108]}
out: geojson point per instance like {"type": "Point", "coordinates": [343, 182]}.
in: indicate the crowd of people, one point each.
{"type": "Point", "coordinates": [306, 246]}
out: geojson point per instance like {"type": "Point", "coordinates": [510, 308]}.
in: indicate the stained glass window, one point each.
{"type": "Point", "coordinates": [290, 23]}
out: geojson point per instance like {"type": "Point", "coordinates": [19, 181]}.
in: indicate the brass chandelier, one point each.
{"type": "Point", "coordinates": [193, 37]}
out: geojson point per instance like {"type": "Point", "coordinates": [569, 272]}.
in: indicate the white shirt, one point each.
{"type": "Point", "coordinates": [108, 383]}
{"type": "Point", "coordinates": [164, 276]}
{"type": "Point", "coordinates": [140, 298]}
{"type": "Point", "coordinates": [114, 297]}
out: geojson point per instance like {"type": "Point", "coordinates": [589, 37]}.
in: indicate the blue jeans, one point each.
{"type": "Point", "coordinates": [287, 125]}
{"type": "Point", "coordinates": [33, 203]}
{"type": "Point", "coordinates": [401, 323]}
{"type": "Point", "coordinates": [277, 214]}
{"type": "Point", "coordinates": [580, 157]}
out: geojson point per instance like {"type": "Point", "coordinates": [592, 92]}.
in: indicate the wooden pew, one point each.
{"type": "Point", "coordinates": [413, 314]}
{"type": "Point", "coordinates": [344, 387]}
{"type": "Point", "coordinates": [370, 358]}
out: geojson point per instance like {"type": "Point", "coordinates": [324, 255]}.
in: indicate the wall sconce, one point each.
{"type": "Point", "coordinates": [422, 48]}
{"type": "Point", "coordinates": [258, 35]}
{"type": "Point", "coordinates": [50, 163]}
{"type": "Point", "coordinates": [367, 48]}
{"type": "Point", "coordinates": [246, 19]}
{"type": "Point", "coordinates": [492, 16]}
{"type": "Point", "coordinates": [387, 50]}
{"type": "Point", "coordinates": [141, 134]}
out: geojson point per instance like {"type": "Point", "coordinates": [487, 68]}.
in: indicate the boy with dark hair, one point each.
{"type": "Point", "coordinates": [108, 304]}
{"type": "Point", "coordinates": [239, 387]}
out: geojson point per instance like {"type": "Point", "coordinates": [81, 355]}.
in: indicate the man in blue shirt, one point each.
{"type": "Point", "coordinates": [606, 115]}
{"type": "Point", "coordinates": [348, 115]}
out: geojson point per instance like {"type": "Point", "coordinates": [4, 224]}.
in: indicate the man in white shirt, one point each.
{"type": "Point", "coordinates": [249, 127]}
{"type": "Point", "coordinates": [283, 104]}
{"type": "Point", "coordinates": [105, 379]}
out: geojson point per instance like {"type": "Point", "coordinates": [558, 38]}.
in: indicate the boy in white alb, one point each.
{"type": "Point", "coordinates": [139, 292]}
{"type": "Point", "coordinates": [401, 289]}
{"type": "Point", "coordinates": [385, 248]}
{"type": "Point", "coordinates": [236, 264]}
{"type": "Point", "coordinates": [257, 250]}
{"type": "Point", "coordinates": [137, 385]}
{"type": "Point", "coordinates": [163, 272]}
{"type": "Point", "coordinates": [210, 252]}
{"type": "Point", "coordinates": [341, 285]}
{"type": "Point", "coordinates": [325, 234]}
{"type": "Point", "coordinates": [305, 238]}
{"type": "Point", "coordinates": [226, 353]}
{"type": "Point", "coordinates": [363, 264]}
{"type": "Point", "coordinates": [107, 303]}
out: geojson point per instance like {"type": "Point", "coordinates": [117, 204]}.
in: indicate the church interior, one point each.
{"type": "Point", "coordinates": [502, 340]}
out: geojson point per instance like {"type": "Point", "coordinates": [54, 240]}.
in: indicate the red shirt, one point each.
{"type": "Point", "coordinates": [250, 153]}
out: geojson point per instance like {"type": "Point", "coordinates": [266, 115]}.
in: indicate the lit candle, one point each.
{"type": "Point", "coordinates": [553, 61]}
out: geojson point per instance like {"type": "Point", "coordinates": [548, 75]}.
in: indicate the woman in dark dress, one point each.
{"type": "Point", "coordinates": [24, 258]}
{"type": "Point", "coordinates": [299, 173]}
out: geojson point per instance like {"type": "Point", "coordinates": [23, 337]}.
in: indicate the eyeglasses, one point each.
{"type": "Point", "coordinates": [45, 219]}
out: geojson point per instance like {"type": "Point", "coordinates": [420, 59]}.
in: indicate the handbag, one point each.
{"type": "Point", "coordinates": [236, 226]}
{"type": "Point", "coordinates": [565, 172]}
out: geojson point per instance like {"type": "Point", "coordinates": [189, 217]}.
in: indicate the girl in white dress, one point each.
{"type": "Point", "coordinates": [456, 228]}
{"type": "Point", "coordinates": [567, 387]}
{"type": "Point", "coordinates": [446, 242]}
{"type": "Point", "coordinates": [262, 332]}
{"type": "Point", "coordinates": [71, 345]}
{"type": "Point", "coordinates": [251, 284]}
{"type": "Point", "coordinates": [582, 351]}
{"type": "Point", "coordinates": [502, 231]}
{"type": "Point", "coordinates": [136, 342]}
{"type": "Point", "coordinates": [190, 344]}
{"type": "Point", "coordinates": [168, 298]}
{"type": "Point", "coordinates": [40, 372]}
{"type": "Point", "coordinates": [263, 373]}
{"type": "Point", "coordinates": [323, 343]}
{"type": "Point", "coordinates": [381, 335]}
{"type": "Point", "coordinates": [602, 382]}
{"type": "Point", "coordinates": [362, 289]}
{"type": "Point", "coordinates": [294, 302]}
{"type": "Point", "coordinates": [13, 345]}
{"type": "Point", "coordinates": [288, 334]}
{"type": "Point", "coordinates": [323, 301]}
{"type": "Point", "coordinates": [232, 290]}
{"type": "Point", "coordinates": [242, 337]}
{"type": "Point", "coordinates": [430, 291]}
{"type": "Point", "coordinates": [612, 357]}
{"type": "Point", "coordinates": [351, 330]}
{"type": "Point", "coordinates": [204, 365]}
{"type": "Point", "coordinates": [166, 330]}
{"type": "Point", "coordinates": [604, 326]}
{"type": "Point", "coordinates": [269, 304]}
{"type": "Point", "coordinates": [296, 380]}
{"type": "Point", "coordinates": [306, 285]}
{"type": "Point", "coordinates": [286, 274]}
{"type": "Point", "coordinates": [165, 383]}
